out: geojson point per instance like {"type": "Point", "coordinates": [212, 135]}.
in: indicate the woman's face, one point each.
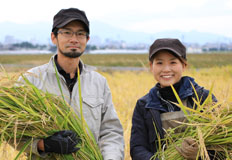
{"type": "Point", "coordinates": [166, 68]}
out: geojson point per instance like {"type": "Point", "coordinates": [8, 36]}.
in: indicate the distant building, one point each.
{"type": "Point", "coordinates": [10, 40]}
{"type": "Point", "coordinates": [194, 50]}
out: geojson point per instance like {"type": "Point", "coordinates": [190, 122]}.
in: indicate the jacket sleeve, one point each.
{"type": "Point", "coordinates": [30, 149]}
{"type": "Point", "coordinates": [203, 94]}
{"type": "Point", "coordinates": [111, 141]}
{"type": "Point", "coordinates": [139, 142]}
{"type": "Point", "coordinates": [33, 147]}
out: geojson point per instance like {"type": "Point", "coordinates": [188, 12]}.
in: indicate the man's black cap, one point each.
{"type": "Point", "coordinates": [65, 16]}
{"type": "Point", "coordinates": [173, 45]}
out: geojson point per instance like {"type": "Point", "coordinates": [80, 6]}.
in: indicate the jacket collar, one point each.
{"type": "Point", "coordinates": [52, 65]}
{"type": "Point", "coordinates": [185, 91]}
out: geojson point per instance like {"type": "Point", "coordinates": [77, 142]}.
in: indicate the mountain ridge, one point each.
{"type": "Point", "coordinates": [101, 33]}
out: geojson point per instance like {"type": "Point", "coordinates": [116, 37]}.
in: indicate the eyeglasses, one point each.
{"type": "Point", "coordinates": [69, 34]}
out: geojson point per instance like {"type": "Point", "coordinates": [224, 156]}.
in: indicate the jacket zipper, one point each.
{"type": "Point", "coordinates": [156, 122]}
{"type": "Point", "coordinates": [70, 92]}
{"type": "Point", "coordinates": [70, 98]}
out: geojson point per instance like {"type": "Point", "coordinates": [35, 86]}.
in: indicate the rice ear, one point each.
{"type": "Point", "coordinates": [26, 111]}
{"type": "Point", "coordinates": [210, 125]}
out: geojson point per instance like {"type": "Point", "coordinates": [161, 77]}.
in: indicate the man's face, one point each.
{"type": "Point", "coordinates": [166, 68]}
{"type": "Point", "coordinates": [69, 44]}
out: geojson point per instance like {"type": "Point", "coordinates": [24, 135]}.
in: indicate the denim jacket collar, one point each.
{"type": "Point", "coordinates": [185, 91]}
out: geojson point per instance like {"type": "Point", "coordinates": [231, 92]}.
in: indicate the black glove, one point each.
{"type": "Point", "coordinates": [62, 142]}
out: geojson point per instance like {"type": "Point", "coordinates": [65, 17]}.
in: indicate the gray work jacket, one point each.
{"type": "Point", "coordinates": [98, 108]}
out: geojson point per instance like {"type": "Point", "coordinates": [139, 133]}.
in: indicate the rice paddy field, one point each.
{"type": "Point", "coordinates": [128, 86]}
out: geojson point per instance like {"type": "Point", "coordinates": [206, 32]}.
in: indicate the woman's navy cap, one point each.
{"type": "Point", "coordinates": [173, 45]}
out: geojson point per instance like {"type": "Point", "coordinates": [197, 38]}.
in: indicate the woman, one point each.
{"type": "Point", "coordinates": [167, 63]}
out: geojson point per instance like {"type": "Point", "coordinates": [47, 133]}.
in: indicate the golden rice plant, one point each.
{"type": "Point", "coordinates": [210, 125]}
{"type": "Point", "coordinates": [28, 113]}
{"type": "Point", "coordinates": [128, 86]}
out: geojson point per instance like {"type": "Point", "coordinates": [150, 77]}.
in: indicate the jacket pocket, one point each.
{"type": "Point", "coordinates": [94, 105]}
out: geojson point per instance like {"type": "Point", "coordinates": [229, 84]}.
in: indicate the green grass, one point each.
{"type": "Point", "coordinates": [209, 60]}
{"type": "Point", "coordinates": [112, 60]}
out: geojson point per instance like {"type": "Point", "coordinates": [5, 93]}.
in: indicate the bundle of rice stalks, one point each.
{"type": "Point", "coordinates": [28, 113]}
{"type": "Point", "coordinates": [210, 125]}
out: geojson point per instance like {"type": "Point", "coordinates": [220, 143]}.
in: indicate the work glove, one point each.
{"type": "Point", "coordinates": [188, 149]}
{"type": "Point", "coordinates": [62, 142]}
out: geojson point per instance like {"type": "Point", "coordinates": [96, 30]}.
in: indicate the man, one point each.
{"type": "Point", "coordinates": [70, 33]}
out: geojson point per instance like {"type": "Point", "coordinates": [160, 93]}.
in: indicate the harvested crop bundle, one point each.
{"type": "Point", "coordinates": [209, 127]}
{"type": "Point", "coordinates": [28, 113]}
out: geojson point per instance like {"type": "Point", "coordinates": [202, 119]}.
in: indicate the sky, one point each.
{"type": "Point", "coordinates": [150, 16]}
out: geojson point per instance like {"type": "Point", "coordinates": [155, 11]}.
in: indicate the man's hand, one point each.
{"type": "Point", "coordinates": [62, 142]}
{"type": "Point", "coordinates": [188, 149]}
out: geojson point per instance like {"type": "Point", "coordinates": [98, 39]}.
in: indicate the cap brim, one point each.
{"type": "Point", "coordinates": [70, 20]}
{"type": "Point", "coordinates": [165, 48]}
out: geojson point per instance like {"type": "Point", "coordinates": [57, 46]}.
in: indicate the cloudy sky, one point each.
{"type": "Point", "coordinates": [151, 16]}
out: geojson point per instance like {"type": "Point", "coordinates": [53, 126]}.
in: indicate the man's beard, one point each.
{"type": "Point", "coordinates": [72, 54]}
